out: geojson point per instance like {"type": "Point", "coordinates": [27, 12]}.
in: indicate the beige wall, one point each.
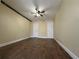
{"type": "Point", "coordinates": [67, 25]}
{"type": "Point", "coordinates": [12, 25]}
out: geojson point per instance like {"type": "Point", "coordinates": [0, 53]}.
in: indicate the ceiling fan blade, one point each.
{"type": "Point", "coordinates": [42, 11]}
{"type": "Point", "coordinates": [41, 15]}
{"type": "Point", "coordinates": [35, 2]}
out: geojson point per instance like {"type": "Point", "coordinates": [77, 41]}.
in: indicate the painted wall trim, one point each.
{"type": "Point", "coordinates": [14, 10]}
{"type": "Point", "coordinates": [67, 50]}
{"type": "Point", "coordinates": [11, 42]}
{"type": "Point", "coordinates": [41, 37]}
{"type": "Point", "coordinates": [44, 37]}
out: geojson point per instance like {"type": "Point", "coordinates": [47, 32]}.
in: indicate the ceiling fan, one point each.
{"type": "Point", "coordinates": [37, 12]}
{"type": "Point", "coordinates": [44, 11]}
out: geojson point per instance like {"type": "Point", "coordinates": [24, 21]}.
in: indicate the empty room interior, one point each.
{"type": "Point", "coordinates": [39, 29]}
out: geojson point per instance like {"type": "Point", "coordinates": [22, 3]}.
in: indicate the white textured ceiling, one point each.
{"type": "Point", "coordinates": [27, 6]}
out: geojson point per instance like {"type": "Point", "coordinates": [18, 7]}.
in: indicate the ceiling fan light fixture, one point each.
{"type": "Point", "coordinates": [38, 12]}
{"type": "Point", "coordinates": [37, 15]}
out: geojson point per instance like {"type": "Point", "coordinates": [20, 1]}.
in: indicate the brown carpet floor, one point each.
{"type": "Point", "coordinates": [34, 48]}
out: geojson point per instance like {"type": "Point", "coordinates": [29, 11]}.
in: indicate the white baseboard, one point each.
{"type": "Point", "coordinates": [67, 50]}
{"type": "Point", "coordinates": [41, 37]}
{"type": "Point", "coordinates": [10, 42]}
{"type": "Point", "coordinates": [45, 37]}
